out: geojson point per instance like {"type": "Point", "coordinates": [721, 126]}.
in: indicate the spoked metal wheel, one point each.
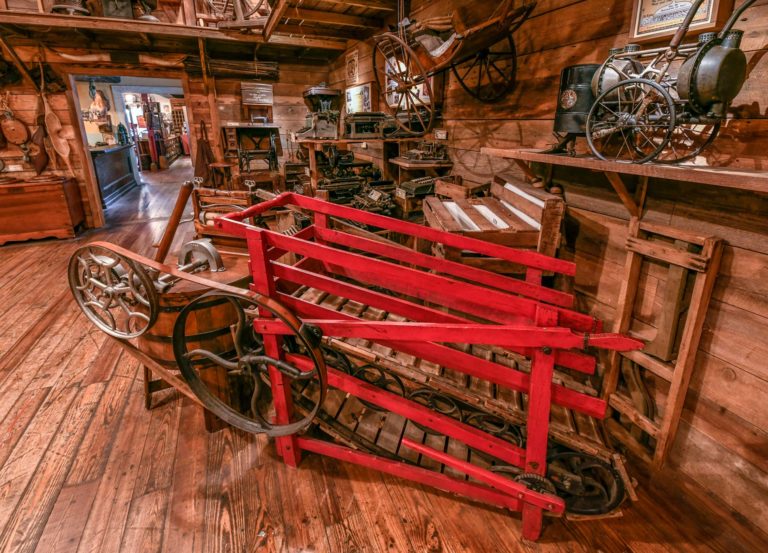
{"type": "Point", "coordinates": [404, 85]}
{"type": "Point", "coordinates": [632, 122]}
{"type": "Point", "coordinates": [589, 485]}
{"type": "Point", "coordinates": [491, 74]}
{"type": "Point", "coordinates": [688, 140]}
{"type": "Point", "coordinates": [114, 292]}
{"type": "Point", "coordinates": [234, 381]}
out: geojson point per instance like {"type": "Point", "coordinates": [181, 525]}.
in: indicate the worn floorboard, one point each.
{"type": "Point", "coordinates": [83, 466]}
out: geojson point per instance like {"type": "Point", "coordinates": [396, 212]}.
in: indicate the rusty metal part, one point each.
{"type": "Point", "coordinates": [589, 485]}
{"type": "Point", "coordinates": [249, 363]}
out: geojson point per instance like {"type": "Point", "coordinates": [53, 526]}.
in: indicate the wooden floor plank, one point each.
{"type": "Point", "coordinates": [25, 526]}
{"type": "Point", "coordinates": [85, 468]}
{"type": "Point", "coordinates": [109, 511]}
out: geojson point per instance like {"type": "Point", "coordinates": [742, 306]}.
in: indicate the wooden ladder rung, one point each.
{"type": "Point", "coordinates": [656, 366]}
{"type": "Point", "coordinates": [624, 406]}
{"type": "Point", "coordinates": [668, 254]}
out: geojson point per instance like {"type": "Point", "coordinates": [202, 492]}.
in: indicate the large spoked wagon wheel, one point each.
{"type": "Point", "coordinates": [235, 382]}
{"type": "Point", "coordinates": [491, 74]}
{"type": "Point", "coordinates": [688, 140]}
{"type": "Point", "coordinates": [631, 122]}
{"type": "Point", "coordinates": [404, 84]}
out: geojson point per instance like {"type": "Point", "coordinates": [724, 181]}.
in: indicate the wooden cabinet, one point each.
{"type": "Point", "coordinates": [43, 207]}
{"type": "Point", "coordinates": [113, 166]}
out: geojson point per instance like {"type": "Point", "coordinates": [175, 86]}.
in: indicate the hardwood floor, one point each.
{"type": "Point", "coordinates": [85, 468]}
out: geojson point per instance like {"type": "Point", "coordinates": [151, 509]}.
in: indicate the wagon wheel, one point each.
{"type": "Point", "coordinates": [404, 85]}
{"type": "Point", "coordinates": [589, 485]}
{"type": "Point", "coordinates": [688, 140]}
{"type": "Point", "coordinates": [241, 398]}
{"type": "Point", "coordinates": [114, 292]}
{"type": "Point", "coordinates": [631, 122]}
{"type": "Point", "coordinates": [491, 74]}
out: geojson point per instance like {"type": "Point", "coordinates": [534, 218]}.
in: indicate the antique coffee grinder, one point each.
{"type": "Point", "coordinates": [574, 101]}
{"type": "Point", "coordinates": [324, 113]}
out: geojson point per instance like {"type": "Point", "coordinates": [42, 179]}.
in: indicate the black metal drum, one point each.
{"type": "Point", "coordinates": [575, 98]}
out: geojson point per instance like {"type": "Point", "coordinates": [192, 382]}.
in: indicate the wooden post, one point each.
{"type": "Point", "coordinates": [264, 283]}
{"type": "Point", "coordinates": [689, 344]}
{"type": "Point", "coordinates": [539, 402]}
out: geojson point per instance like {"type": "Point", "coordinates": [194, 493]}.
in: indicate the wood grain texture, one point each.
{"type": "Point", "coordinates": [83, 466]}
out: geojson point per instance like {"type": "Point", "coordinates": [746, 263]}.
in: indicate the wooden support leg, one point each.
{"type": "Point", "coordinates": [147, 393]}
{"type": "Point", "coordinates": [539, 403]}
{"type": "Point", "coordinates": [624, 195]}
{"type": "Point", "coordinates": [689, 344]}
{"type": "Point", "coordinates": [263, 283]}
{"type": "Point", "coordinates": [313, 174]}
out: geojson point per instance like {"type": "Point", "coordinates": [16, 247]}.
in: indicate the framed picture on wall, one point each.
{"type": "Point", "coordinates": [360, 99]}
{"type": "Point", "coordinates": [655, 20]}
{"type": "Point", "coordinates": [352, 68]}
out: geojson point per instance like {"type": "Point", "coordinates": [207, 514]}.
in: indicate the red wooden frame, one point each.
{"type": "Point", "coordinates": [485, 308]}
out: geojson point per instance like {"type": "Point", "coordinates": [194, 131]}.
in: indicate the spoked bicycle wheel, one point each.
{"type": "Point", "coordinates": [631, 122]}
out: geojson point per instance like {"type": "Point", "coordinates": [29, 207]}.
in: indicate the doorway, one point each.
{"type": "Point", "coordinates": [136, 130]}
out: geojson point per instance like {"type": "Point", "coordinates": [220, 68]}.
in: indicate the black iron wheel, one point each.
{"type": "Point", "coordinates": [589, 485]}
{"type": "Point", "coordinates": [249, 366]}
{"type": "Point", "coordinates": [491, 74]}
{"type": "Point", "coordinates": [631, 122]}
{"type": "Point", "coordinates": [688, 140]}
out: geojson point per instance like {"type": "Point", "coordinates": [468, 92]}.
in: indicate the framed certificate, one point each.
{"type": "Point", "coordinates": [658, 19]}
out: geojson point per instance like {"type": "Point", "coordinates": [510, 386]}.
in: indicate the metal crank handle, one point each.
{"type": "Point", "coordinates": [286, 368]}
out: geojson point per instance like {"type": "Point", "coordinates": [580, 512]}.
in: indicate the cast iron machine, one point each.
{"type": "Point", "coordinates": [324, 113]}
{"type": "Point", "coordinates": [666, 104]}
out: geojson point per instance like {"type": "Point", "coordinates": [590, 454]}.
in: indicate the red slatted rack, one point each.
{"type": "Point", "coordinates": [482, 308]}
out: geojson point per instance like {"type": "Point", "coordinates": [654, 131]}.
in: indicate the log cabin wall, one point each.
{"type": "Point", "coordinates": [26, 106]}
{"type": "Point", "coordinates": [288, 111]}
{"type": "Point", "coordinates": [722, 443]}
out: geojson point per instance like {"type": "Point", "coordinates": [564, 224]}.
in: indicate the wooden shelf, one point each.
{"type": "Point", "coordinates": [725, 177]}
{"type": "Point", "coordinates": [329, 141]}
{"type": "Point", "coordinates": [415, 164]}
{"type": "Point", "coordinates": [740, 179]}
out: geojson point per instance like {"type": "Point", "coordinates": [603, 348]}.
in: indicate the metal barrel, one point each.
{"type": "Point", "coordinates": [575, 98]}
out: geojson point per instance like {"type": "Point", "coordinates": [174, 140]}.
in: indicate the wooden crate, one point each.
{"type": "Point", "coordinates": [515, 215]}
{"type": "Point", "coordinates": [40, 208]}
{"type": "Point", "coordinates": [457, 188]}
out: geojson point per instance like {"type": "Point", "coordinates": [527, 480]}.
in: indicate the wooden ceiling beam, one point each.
{"type": "Point", "coordinates": [381, 5]}
{"type": "Point", "coordinates": [274, 18]}
{"type": "Point", "coordinates": [308, 42]}
{"type": "Point", "coordinates": [331, 18]}
{"type": "Point", "coordinates": [306, 30]}
{"type": "Point", "coordinates": [93, 24]}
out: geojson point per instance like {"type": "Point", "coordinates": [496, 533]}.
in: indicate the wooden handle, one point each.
{"type": "Point", "coordinates": [173, 222]}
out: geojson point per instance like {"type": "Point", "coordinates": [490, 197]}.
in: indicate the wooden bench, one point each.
{"type": "Point", "coordinates": [515, 215]}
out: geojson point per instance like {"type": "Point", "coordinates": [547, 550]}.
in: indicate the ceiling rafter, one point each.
{"type": "Point", "coordinates": [382, 5]}
{"type": "Point", "coordinates": [331, 18]}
